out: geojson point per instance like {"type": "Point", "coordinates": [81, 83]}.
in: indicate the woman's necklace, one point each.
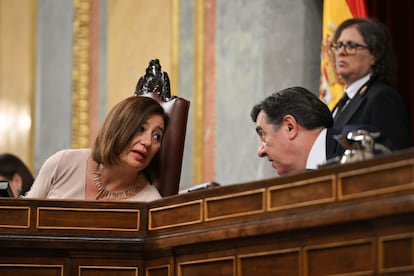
{"type": "Point", "coordinates": [114, 195]}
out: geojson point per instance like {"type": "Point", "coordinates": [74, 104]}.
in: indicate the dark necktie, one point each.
{"type": "Point", "coordinates": [341, 104]}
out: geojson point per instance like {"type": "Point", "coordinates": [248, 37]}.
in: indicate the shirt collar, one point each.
{"type": "Point", "coordinates": [353, 89]}
{"type": "Point", "coordinates": [317, 154]}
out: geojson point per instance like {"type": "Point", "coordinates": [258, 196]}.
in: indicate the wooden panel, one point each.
{"type": "Point", "coordinates": [237, 204]}
{"type": "Point", "coordinates": [158, 271]}
{"type": "Point", "coordinates": [377, 179]}
{"type": "Point", "coordinates": [208, 267]}
{"type": "Point", "coordinates": [107, 271]}
{"type": "Point", "coordinates": [175, 215]}
{"type": "Point", "coordinates": [283, 262]}
{"type": "Point", "coordinates": [302, 193]}
{"type": "Point", "coordinates": [14, 217]}
{"type": "Point", "coordinates": [30, 269]}
{"type": "Point", "coordinates": [161, 264]}
{"type": "Point", "coordinates": [396, 253]}
{"type": "Point", "coordinates": [356, 257]}
{"type": "Point", "coordinates": [88, 219]}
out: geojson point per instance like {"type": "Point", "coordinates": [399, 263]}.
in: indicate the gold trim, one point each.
{"type": "Point", "coordinates": [150, 227]}
{"type": "Point", "coordinates": [377, 168]}
{"type": "Point", "coordinates": [379, 191]}
{"type": "Point", "coordinates": [91, 267]}
{"type": "Point", "coordinates": [17, 226]}
{"type": "Point", "coordinates": [175, 46]}
{"type": "Point", "coordinates": [339, 244]}
{"type": "Point", "coordinates": [203, 261]}
{"type": "Point", "coordinates": [80, 74]}
{"type": "Point", "coordinates": [397, 237]}
{"type": "Point", "coordinates": [147, 270]}
{"type": "Point", "coordinates": [35, 266]}
{"type": "Point", "coordinates": [331, 178]}
{"type": "Point", "coordinates": [258, 191]}
{"type": "Point", "coordinates": [198, 133]}
{"type": "Point", "coordinates": [33, 85]}
{"type": "Point", "coordinates": [39, 209]}
{"type": "Point", "coordinates": [272, 252]}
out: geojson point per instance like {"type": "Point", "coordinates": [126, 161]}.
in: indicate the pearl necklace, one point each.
{"type": "Point", "coordinates": [131, 190]}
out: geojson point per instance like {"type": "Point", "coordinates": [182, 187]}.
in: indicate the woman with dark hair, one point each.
{"type": "Point", "coordinates": [13, 170]}
{"type": "Point", "coordinates": [115, 168]}
{"type": "Point", "coordinates": [364, 61]}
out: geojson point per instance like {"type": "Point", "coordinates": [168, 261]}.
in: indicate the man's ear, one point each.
{"type": "Point", "coordinates": [291, 126]}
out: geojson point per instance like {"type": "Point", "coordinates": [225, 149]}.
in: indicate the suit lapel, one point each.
{"type": "Point", "coordinates": [344, 117]}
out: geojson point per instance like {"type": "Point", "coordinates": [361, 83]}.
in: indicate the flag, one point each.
{"type": "Point", "coordinates": [334, 12]}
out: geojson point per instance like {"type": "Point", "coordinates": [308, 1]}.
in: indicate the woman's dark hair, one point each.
{"type": "Point", "coordinates": [121, 126]}
{"type": "Point", "coordinates": [376, 37]}
{"type": "Point", "coordinates": [10, 165]}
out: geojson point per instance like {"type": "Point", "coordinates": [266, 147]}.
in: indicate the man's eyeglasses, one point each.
{"type": "Point", "coordinates": [350, 47]}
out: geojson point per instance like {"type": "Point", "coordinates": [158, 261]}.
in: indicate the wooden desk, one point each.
{"type": "Point", "coordinates": [353, 219]}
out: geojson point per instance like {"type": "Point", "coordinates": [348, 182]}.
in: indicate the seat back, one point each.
{"type": "Point", "coordinates": [166, 167]}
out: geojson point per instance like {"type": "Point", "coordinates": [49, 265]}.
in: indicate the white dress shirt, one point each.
{"type": "Point", "coordinates": [353, 89]}
{"type": "Point", "coordinates": [317, 154]}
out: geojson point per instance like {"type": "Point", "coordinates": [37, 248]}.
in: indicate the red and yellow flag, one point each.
{"type": "Point", "coordinates": [334, 12]}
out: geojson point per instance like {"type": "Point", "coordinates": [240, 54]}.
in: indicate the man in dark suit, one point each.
{"type": "Point", "coordinates": [294, 127]}
{"type": "Point", "coordinates": [363, 60]}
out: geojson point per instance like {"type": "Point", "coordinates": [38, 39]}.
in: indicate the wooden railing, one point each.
{"type": "Point", "coordinates": [353, 219]}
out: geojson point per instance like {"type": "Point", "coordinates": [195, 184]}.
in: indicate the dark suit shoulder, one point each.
{"type": "Point", "coordinates": [382, 107]}
{"type": "Point", "coordinates": [380, 89]}
{"type": "Point", "coordinates": [333, 147]}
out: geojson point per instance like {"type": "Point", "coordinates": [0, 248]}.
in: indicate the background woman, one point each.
{"type": "Point", "coordinates": [363, 59]}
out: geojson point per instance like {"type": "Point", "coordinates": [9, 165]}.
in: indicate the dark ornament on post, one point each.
{"type": "Point", "coordinates": [154, 81]}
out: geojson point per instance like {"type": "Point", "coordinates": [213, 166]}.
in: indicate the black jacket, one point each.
{"type": "Point", "coordinates": [333, 147]}
{"type": "Point", "coordinates": [380, 106]}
